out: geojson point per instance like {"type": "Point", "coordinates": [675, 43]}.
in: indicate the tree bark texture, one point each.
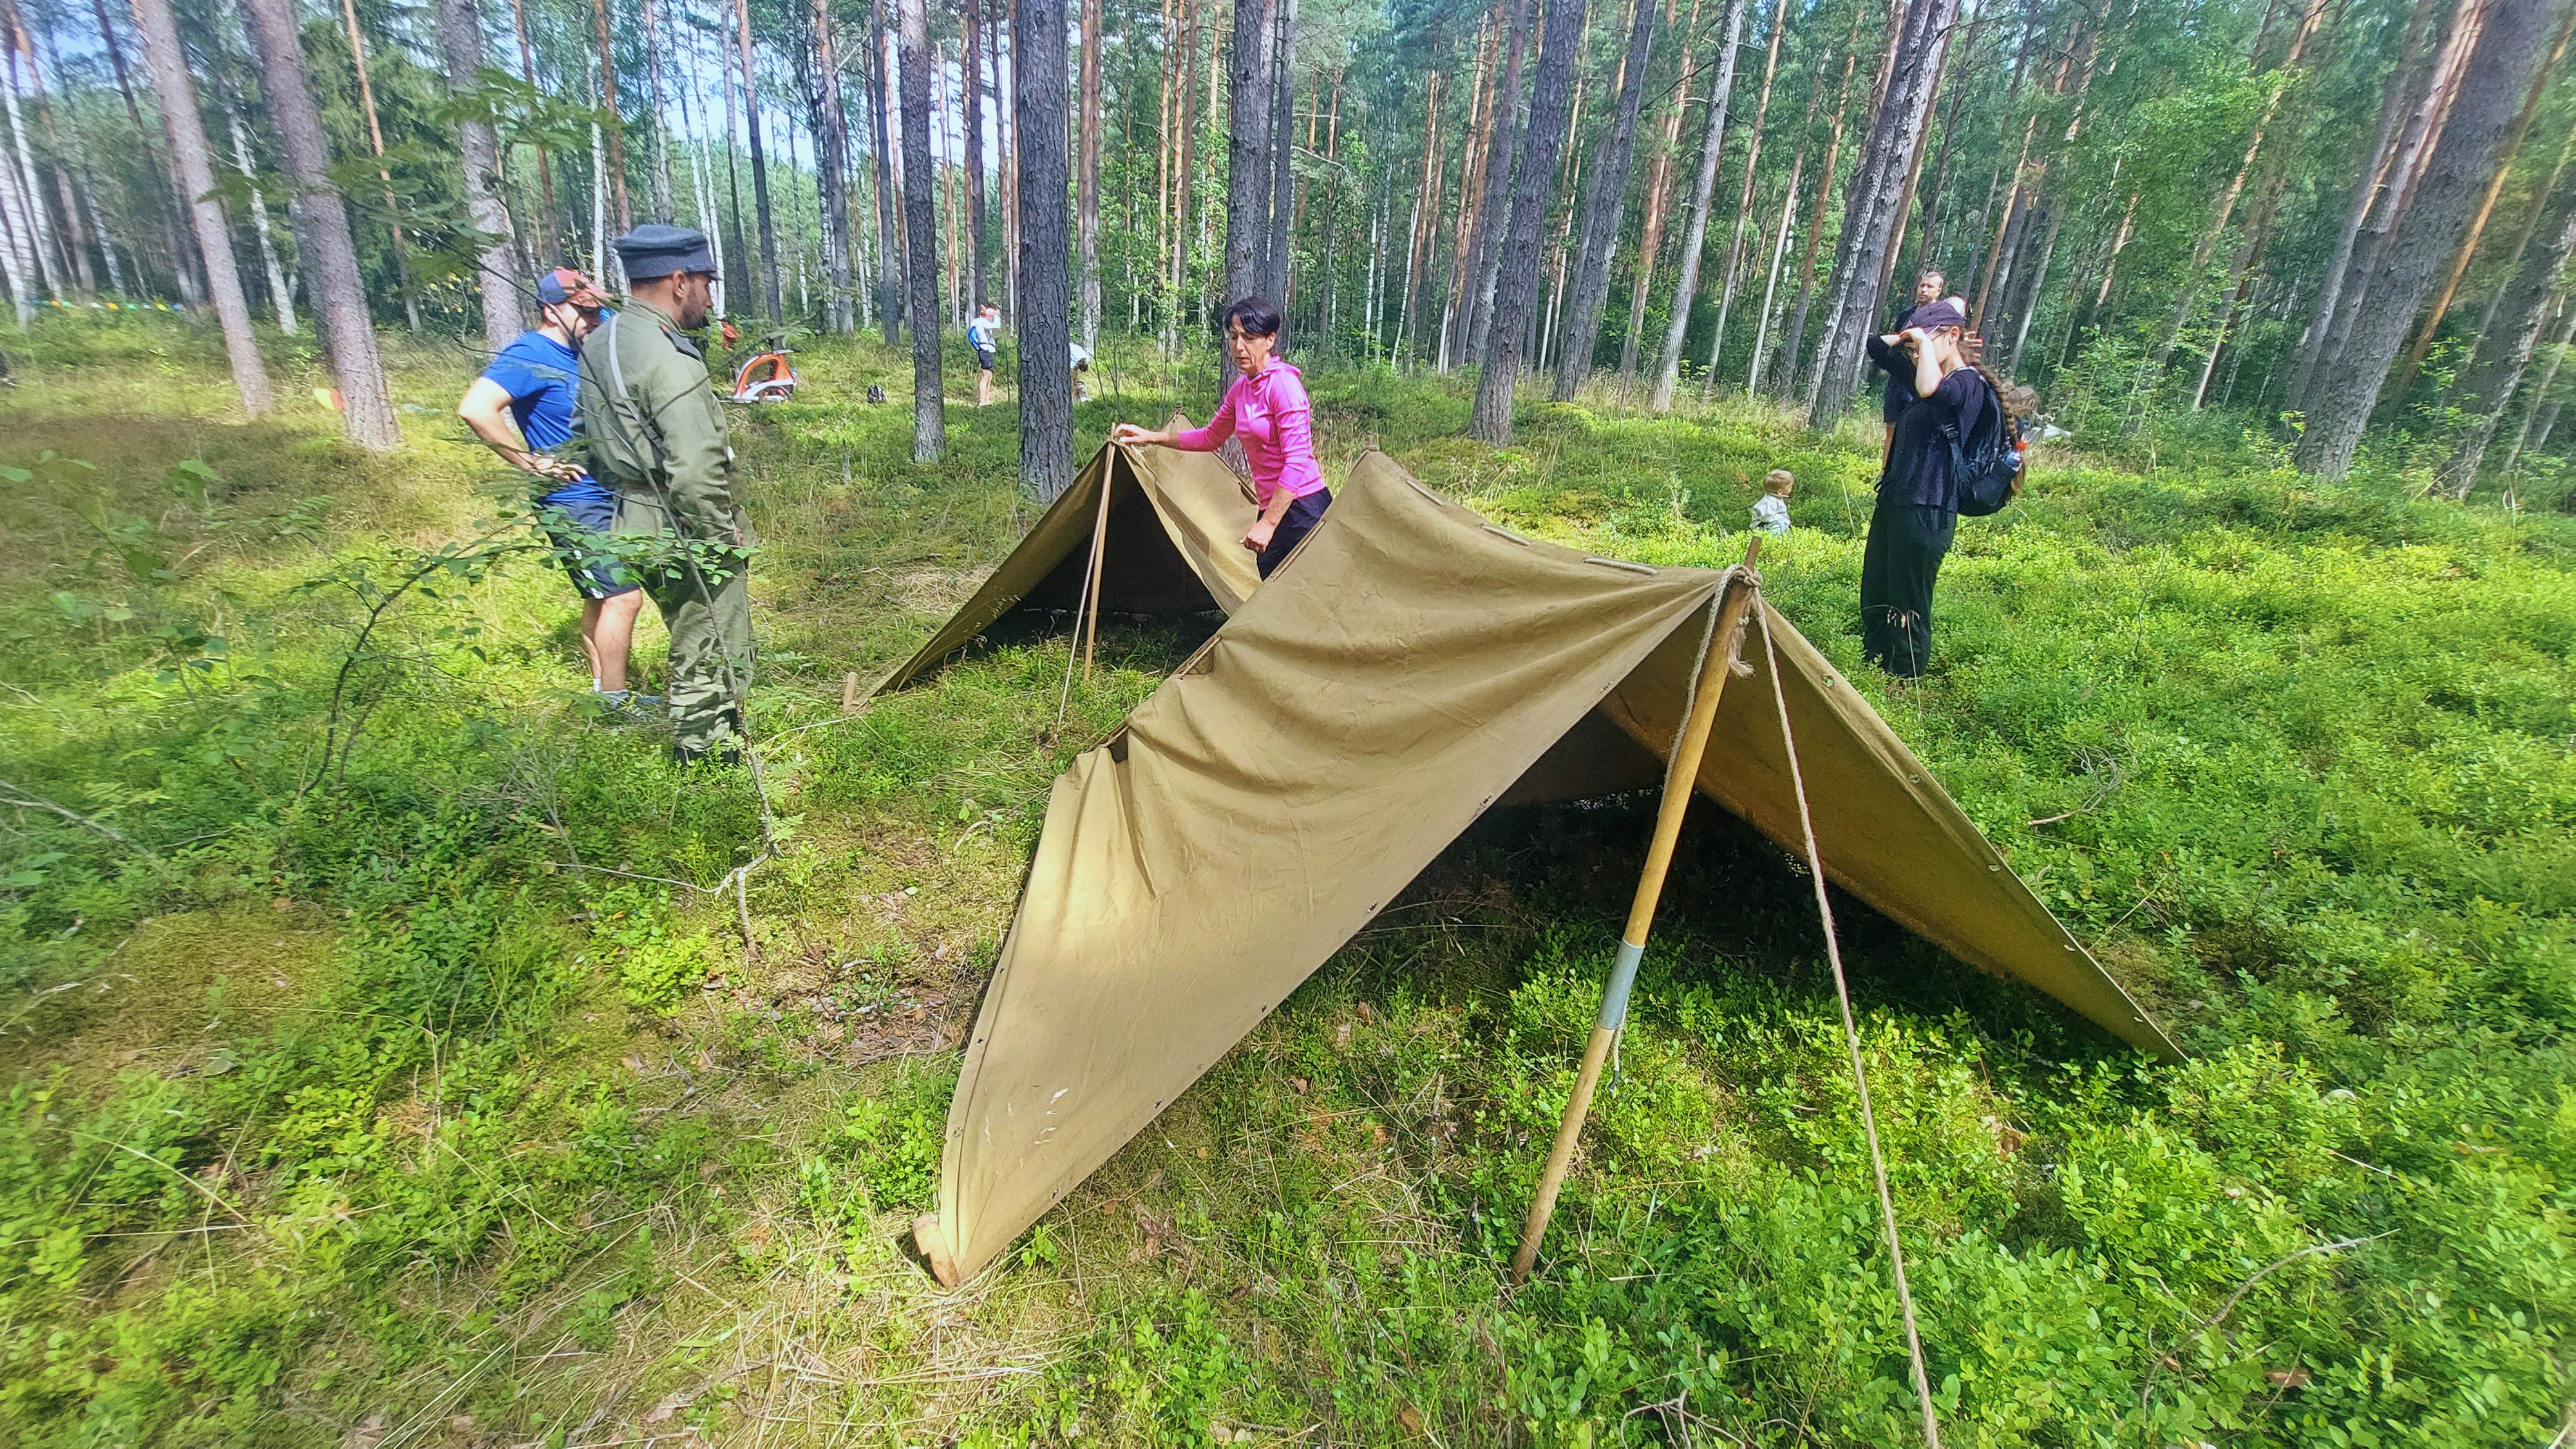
{"type": "Point", "coordinates": [1605, 202]}
{"type": "Point", "coordinates": [1869, 213]}
{"type": "Point", "coordinates": [2516, 41]}
{"type": "Point", "coordinates": [772, 286]}
{"type": "Point", "coordinates": [889, 246]}
{"type": "Point", "coordinates": [2504, 352]}
{"type": "Point", "coordinates": [1484, 247]}
{"type": "Point", "coordinates": [168, 65]}
{"type": "Point", "coordinates": [1087, 178]}
{"type": "Point", "coordinates": [1250, 76]}
{"type": "Point", "coordinates": [616, 124]}
{"type": "Point", "coordinates": [1516, 284]}
{"type": "Point", "coordinates": [322, 223]}
{"type": "Point", "coordinates": [831, 166]}
{"type": "Point", "coordinates": [1668, 363]}
{"type": "Point", "coordinates": [921, 236]}
{"type": "Point", "coordinates": [1046, 340]}
{"type": "Point", "coordinates": [1744, 202]}
{"type": "Point", "coordinates": [1277, 252]}
{"type": "Point", "coordinates": [970, 123]}
{"type": "Point", "coordinates": [460, 42]}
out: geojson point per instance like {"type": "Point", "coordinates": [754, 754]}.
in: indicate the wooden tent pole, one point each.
{"type": "Point", "coordinates": [1681, 781]}
{"type": "Point", "coordinates": [1099, 546]}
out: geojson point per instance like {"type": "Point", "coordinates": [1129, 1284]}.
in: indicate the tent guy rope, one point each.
{"type": "Point", "coordinates": [1851, 1038]}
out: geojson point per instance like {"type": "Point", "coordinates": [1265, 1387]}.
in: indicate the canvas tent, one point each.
{"type": "Point", "coordinates": [1410, 668]}
{"type": "Point", "coordinates": [1171, 546]}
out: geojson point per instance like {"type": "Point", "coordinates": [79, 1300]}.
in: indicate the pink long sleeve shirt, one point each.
{"type": "Point", "coordinates": [1268, 411]}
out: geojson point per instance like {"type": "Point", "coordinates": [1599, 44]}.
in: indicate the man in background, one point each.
{"type": "Point", "coordinates": [523, 407]}
{"type": "Point", "coordinates": [657, 434]}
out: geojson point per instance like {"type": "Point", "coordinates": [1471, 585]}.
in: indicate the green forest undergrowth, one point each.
{"type": "Point", "coordinates": [387, 1065]}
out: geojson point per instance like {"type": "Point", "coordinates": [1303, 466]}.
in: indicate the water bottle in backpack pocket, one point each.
{"type": "Point", "coordinates": [1985, 466]}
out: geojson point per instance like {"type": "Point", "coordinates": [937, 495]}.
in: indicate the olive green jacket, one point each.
{"type": "Point", "coordinates": [655, 431]}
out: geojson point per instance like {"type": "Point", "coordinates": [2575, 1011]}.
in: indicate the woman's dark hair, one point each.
{"type": "Point", "coordinates": [1258, 316]}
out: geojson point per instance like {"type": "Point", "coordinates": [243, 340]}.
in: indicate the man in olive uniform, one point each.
{"type": "Point", "coordinates": [656, 434]}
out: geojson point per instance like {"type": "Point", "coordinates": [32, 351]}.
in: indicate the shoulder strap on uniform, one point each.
{"type": "Point", "coordinates": [616, 364]}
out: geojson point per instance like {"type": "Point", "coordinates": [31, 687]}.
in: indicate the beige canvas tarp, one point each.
{"type": "Point", "coordinates": [1175, 524]}
{"type": "Point", "coordinates": [1409, 668]}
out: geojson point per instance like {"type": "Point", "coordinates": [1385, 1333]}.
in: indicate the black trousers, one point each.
{"type": "Point", "coordinates": [1897, 568]}
{"type": "Point", "coordinates": [1302, 516]}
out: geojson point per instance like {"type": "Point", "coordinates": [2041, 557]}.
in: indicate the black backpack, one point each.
{"type": "Point", "coordinates": [1985, 465]}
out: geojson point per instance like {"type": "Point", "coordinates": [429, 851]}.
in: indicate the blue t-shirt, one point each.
{"type": "Point", "coordinates": [542, 376]}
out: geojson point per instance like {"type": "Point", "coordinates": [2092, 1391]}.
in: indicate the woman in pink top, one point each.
{"type": "Point", "coordinates": [1266, 407]}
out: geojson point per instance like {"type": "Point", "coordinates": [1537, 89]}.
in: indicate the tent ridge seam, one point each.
{"type": "Point", "coordinates": [1620, 563]}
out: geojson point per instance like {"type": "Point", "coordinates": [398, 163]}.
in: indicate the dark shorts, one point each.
{"type": "Point", "coordinates": [984, 358]}
{"type": "Point", "coordinates": [1302, 517]}
{"type": "Point", "coordinates": [577, 524]}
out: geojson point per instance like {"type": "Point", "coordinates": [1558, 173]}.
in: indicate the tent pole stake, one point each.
{"type": "Point", "coordinates": [1681, 781]}
{"type": "Point", "coordinates": [1099, 546]}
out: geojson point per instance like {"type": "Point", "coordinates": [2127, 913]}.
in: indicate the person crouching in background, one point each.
{"type": "Point", "coordinates": [523, 406]}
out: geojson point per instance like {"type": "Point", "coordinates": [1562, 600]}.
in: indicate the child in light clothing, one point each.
{"type": "Point", "coordinates": [1771, 510]}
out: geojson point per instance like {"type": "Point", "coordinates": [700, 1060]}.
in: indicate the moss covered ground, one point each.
{"type": "Point", "coordinates": [385, 1068]}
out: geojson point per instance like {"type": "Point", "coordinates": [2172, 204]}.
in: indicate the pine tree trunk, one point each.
{"type": "Point", "coordinates": [1605, 202]}
{"type": "Point", "coordinates": [880, 122]}
{"type": "Point", "coordinates": [1658, 202]}
{"type": "Point", "coordinates": [1493, 214]}
{"type": "Point", "coordinates": [460, 40]}
{"type": "Point", "coordinates": [280, 296]}
{"type": "Point", "coordinates": [2417, 144]}
{"type": "Point", "coordinates": [1744, 201]}
{"type": "Point", "coordinates": [921, 239]}
{"type": "Point", "coordinates": [2505, 350]}
{"type": "Point", "coordinates": [546, 238]}
{"type": "Point", "coordinates": [616, 125]}
{"type": "Point", "coordinates": [376, 140]}
{"type": "Point", "coordinates": [331, 257]}
{"type": "Point", "coordinates": [2423, 345]}
{"type": "Point", "coordinates": [772, 284]}
{"type": "Point", "coordinates": [62, 156]}
{"type": "Point", "coordinates": [1668, 364]}
{"type": "Point", "coordinates": [2516, 40]}
{"type": "Point", "coordinates": [1869, 215]}
{"type": "Point", "coordinates": [1277, 260]}
{"type": "Point", "coordinates": [2189, 293]}
{"type": "Point", "coordinates": [1516, 281]}
{"type": "Point", "coordinates": [1250, 74]}
{"type": "Point", "coordinates": [170, 81]}
{"type": "Point", "coordinates": [1046, 282]}
{"type": "Point", "coordinates": [1792, 345]}
{"type": "Point", "coordinates": [32, 220]}
{"type": "Point", "coordinates": [2541, 410]}
{"type": "Point", "coordinates": [2365, 193]}
{"type": "Point", "coordinates": [970, 125]}
{"type": "Point", "coordinates": [828, 122]}
{"type": "Point", "coordinates": [165, 202]}
{"type": "Point", "coordinates": [661, 169]}
{"type": "Point", "coordinates": [1087, 178]}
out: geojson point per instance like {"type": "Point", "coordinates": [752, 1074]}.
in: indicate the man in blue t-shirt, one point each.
{"type": "Point", "coordinates": [522, 406]}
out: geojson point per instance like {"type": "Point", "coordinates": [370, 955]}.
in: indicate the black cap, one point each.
{"type": "Point", "coordinates": [654, 250]}
{"type": "Point", "coordinates": [1932, 316]}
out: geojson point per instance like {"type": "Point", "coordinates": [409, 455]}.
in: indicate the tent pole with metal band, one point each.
{"type": "Point", "coordinates": [1681, 781]}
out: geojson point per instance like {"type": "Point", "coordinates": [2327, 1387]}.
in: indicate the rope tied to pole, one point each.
{"type": "Point", "coordinates": [1851, 1038]}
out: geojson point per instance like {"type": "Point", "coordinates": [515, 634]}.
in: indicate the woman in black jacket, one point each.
{"type": "Point", "coordinates": [1918, 499]}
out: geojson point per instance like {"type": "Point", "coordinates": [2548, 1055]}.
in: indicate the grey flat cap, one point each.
{"type": "Point", "coordinates": [654, 250]}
